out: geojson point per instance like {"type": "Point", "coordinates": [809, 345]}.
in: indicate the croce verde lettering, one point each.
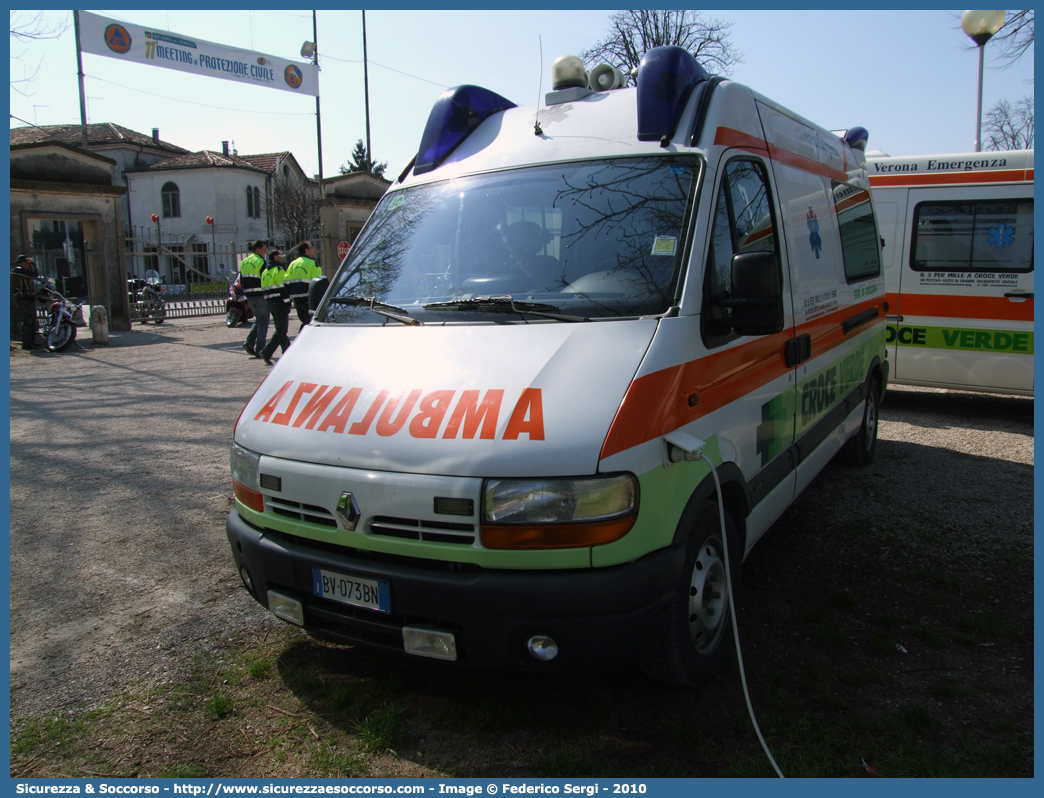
{"type": "Point", "coordinates": [960, 338]}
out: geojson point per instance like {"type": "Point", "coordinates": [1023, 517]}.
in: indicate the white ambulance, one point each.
{"type": "Point", "coordinates": [958, 259]}
{"type": "Point", "coordinates": [493, 444]}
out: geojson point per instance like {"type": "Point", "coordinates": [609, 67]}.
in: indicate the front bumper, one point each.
{"type": "Point", "coordinates": [600, 617]}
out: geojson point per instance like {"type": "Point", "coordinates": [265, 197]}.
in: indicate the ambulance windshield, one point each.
{"type": "Point", "coordinates": [594, 239]}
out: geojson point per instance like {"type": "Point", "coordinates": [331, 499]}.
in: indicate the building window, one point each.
{"type": "Point", "coordinates": [253, 202]}
{"type": "Point", "coordinates": [171, 201]}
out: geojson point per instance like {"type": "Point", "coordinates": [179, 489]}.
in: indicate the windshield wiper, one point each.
{"type": "Point", "coordinates": [374, 305]}
{"type": "Point", "coordinates": [505, 304]}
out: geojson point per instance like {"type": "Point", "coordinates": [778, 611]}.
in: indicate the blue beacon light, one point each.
{"type": "Point", "coordinates": [857, 137]}
{"type": "Point", "coordinates": [456, 113]}
{"type": "Point", "coordinates": [666, 78]}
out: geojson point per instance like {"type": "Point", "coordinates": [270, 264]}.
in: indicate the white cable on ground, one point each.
{"type": "Point", "coordinates": [735, 621]}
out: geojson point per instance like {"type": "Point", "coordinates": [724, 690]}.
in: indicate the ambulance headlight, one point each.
{"type": "Point", "coordinates": [557, 513]}
{"type": "Point", "coordinates": [245, 466]}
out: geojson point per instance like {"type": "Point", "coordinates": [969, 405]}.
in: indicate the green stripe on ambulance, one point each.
{"type": "Point", "coordinates": [975, 340]}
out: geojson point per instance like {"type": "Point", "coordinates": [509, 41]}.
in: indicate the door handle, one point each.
{"type": "Point", "coordinates": [1019, 295]}
{"type": "Point", "coordinates": [797, 350]}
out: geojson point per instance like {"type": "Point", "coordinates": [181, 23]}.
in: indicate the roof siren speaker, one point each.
{"type": "Point", "coordinates": [568, 73]}
{"type": "Point", "coordinates": [604, 77]}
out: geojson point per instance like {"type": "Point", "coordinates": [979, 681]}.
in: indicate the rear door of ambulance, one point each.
{"type": "Point", "coordinates": [966, 287]}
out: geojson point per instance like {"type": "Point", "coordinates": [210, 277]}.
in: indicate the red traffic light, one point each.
{"type": "Point", "coordinates": [155, 217]}
{"type": "Point", "coordinates": [210, 220]}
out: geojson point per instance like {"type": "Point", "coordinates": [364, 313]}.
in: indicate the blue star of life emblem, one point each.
{"type": "Point", "coordinates": [813, 227]}
{"type": "Point", "coordinates": [1001, 236]}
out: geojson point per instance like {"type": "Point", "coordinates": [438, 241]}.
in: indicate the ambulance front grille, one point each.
{"type": "Point", "coordinates": [430, 531]}
{"type": "Point", "coordinates": [309, 513]}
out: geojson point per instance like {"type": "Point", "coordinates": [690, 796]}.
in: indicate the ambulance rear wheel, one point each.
{"type": "Point", "coordinates": [860, 448]}
{"type": "Point", "coordinates": [698, 637]}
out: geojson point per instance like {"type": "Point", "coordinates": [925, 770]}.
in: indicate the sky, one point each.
{"type": "Point", "coordinates": [909, 77]}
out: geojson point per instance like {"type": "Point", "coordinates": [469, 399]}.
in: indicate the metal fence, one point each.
{"type": "Point", "coordinates": [194, 273]}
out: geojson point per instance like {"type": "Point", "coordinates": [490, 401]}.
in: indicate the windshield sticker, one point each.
{"type": "Point", "coordinates": [664, 245]}
{"type": "Point", "coordinates": [676, 170]}
{"type": "Point", "coordinates": [475, 413]}
{"type": "Point", "coordinates": [395, 203]}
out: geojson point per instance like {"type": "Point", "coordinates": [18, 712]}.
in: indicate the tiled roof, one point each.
{"type": "Point", "coordinates": [99, 133]}
{"type": "Point", "coordinates": [266, 161]}
{"type": "Point", "coordinates": [201, 160]}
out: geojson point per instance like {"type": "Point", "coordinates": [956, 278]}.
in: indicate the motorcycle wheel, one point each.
{"type": "Point", "coordinates": [234, 317]}
{"type": "Point", "coordinates": [159, 315]}
{"type": "Point", "coordinates": [61, 338]}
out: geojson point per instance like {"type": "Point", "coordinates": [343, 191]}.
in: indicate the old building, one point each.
{"type": "Point", "coordinates": [237, 192]}
{"type": "Point", "coordinates": [349, 201]}
{"type": "Point", "coordinates": [65, 212]}
{"type": "Point", "coordinates": [127, 148]}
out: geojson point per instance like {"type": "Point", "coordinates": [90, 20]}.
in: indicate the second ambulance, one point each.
{"type": "Point", "coordinates": [493, 445]}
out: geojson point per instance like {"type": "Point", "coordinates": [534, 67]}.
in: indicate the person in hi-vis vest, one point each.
{"type": "Point", "coordinates": [299, 275]}
{"type": "Point", "coordinates": [250, 271]}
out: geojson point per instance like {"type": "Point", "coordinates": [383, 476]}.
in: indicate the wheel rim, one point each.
{"type": "Point", "coordinates": [708, 597]}
{"type": "Point", "coordinates": [871, 422]}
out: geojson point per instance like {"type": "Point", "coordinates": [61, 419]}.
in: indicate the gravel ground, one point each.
{"type": "Point", "coordinates": [120, 570]}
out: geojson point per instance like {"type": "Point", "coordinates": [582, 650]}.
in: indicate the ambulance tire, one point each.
{"type": "Point", "coordinates": [698, 636]}
{"type": "Point", "coordinates": [859, 449]}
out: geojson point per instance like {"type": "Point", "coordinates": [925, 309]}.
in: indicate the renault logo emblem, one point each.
{"type": "Point", "coordinates": [348, 511]}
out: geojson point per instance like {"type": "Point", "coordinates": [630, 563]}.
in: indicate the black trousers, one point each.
{"type": "Point", "coordinates": [280, 311]}
{"type": "Point", "coordinates": [301, 305]}
{"type": "Point", "coordinates": [25, 312]}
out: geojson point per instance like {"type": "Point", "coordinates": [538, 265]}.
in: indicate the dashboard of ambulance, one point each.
{"type": "Point", "coordinates": [583, 241]}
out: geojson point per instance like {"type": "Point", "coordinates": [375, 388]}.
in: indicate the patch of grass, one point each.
{"type": "Point", "coordinates": [259, 669]}
{"type": "Point", "coordinates": [568, 763]}
{"type": "Point", "coordinates": [219, 706]}
{"type": "Point", "coordinates": [186, 770]}
{"type": "Point", "coordinates": [384, 728]}
{"type": "Point", "coordinates": [330, 761]}
{"type": "Point", "coordinates": [930, 636]}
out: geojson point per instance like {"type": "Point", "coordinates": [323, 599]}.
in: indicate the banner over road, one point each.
{"type": "Point", "coordinates": [126, 42]}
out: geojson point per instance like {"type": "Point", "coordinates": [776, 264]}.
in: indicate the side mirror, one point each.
{"type": "Point", "coordinates": [316, 291]}
{"type": "Point", "coordinates": [756, 299]}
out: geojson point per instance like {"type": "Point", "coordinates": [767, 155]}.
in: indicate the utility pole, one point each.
{"type": "Point", "coordinates": [318, 119]}
{"type": "Point", "coordinates": [366, 94]}
{"type": "Point", "coordinates": [79, 72]}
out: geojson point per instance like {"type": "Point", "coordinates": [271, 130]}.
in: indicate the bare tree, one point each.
{"type": "Point", "coordinates": [295, 207]}
{"type": "Point", "coordinates": [1015, 37]}
{"type": "Point", "coordinates": [1009, 128]}
{"type": "Point", "coordinates": [28, 27]}
{"type": "Point", "coordinates": [633, 33]}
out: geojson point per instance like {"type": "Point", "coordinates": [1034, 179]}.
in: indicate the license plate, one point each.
{"type": "Point", "coordinates": [355, 591]}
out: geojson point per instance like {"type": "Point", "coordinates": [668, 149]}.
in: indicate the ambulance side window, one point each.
{"type": "Point", "coordinates": [985, 236]}
{"type": "Point", "coordinates": [860, 242]}
{"type": "Point", "coordinates": [742, 222]}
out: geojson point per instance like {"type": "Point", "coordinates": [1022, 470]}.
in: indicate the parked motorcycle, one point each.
{"type": "Point", "coordinates": [146, 298]}
{"type": "Point", "coordinates": [63, 317]}
{"type": "Point", "coordinates": [237, 309]}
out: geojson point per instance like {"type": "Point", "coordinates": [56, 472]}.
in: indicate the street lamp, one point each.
{"type": "Point", "coordinates": [981, 26]}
